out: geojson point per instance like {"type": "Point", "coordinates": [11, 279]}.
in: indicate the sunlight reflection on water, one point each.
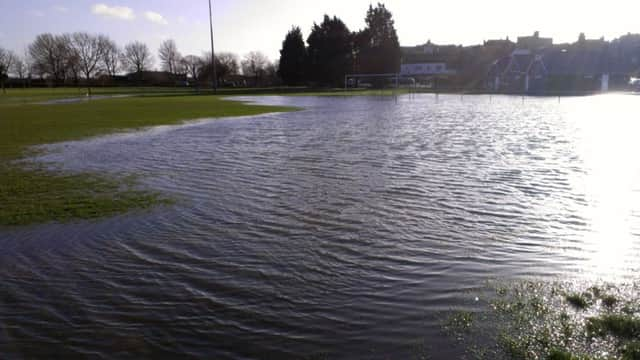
{"type": "Point", "coordinates": [607, 130]}
{"type": "Point", "coordinates": [349, 226]}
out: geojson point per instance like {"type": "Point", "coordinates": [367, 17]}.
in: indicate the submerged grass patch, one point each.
{"type": "Point", "coordinates": [579, 301]}
{"type": "Point", "coordinates": [563, 321]}
{"type": "Point", "coordinates": [563, 355]}
{"type": "Point", "coordinates": [460, 321]}
{"type": "Point", "coordinates": [36, 196]}
{"type": "Point", "coordinates": [609, 301]}
{"type": "Point", "coordinates": [29, 194]}
{"type": "Point", "coordinates": [619, 325]}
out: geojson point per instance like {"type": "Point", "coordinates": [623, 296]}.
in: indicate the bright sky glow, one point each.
{"type": "Point", "coordinates": [245, 25]}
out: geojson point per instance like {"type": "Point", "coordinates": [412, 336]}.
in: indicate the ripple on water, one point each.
{"type": "Point", "coordinates": [342, 229]}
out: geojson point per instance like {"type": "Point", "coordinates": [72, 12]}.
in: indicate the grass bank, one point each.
{"type": "Point", "coordinates": [31, 194]}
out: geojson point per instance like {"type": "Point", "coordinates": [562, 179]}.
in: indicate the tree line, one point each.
{"type": "Point", "coordinates": [332, 50]}
{"type": "Point", "coordinates": [83, 57]}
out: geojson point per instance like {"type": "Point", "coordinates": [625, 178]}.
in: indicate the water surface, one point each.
{"type": "Point", "coordinates": [346, 230]}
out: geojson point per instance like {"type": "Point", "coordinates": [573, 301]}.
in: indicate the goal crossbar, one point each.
{"type": "Point", "coordinates": [394, 76]}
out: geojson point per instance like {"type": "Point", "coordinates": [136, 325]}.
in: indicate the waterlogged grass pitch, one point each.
{"type": "Point", "coordinates": [31, 194]}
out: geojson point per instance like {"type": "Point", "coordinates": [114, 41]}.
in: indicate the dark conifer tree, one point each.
{"type": "Point", "coordinates": [330, 52]}
{"type": "Point", "coordinates": [377, 46]}
{"type": "Point", "coordinates": [292, 58]}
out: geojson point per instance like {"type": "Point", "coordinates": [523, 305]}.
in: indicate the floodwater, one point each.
{"type": "Point", "coordinates": [347, 230]}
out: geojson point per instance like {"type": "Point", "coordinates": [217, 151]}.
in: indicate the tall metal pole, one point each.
{"type": "Point", "coordinates": [213, 54]}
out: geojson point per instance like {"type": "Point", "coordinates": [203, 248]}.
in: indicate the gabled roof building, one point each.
{"type": "Point", "coordinates": [538, 66]}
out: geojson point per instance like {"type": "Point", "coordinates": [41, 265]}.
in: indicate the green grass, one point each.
{"type": "Point", "coordinates": [39, 196]}
{"type": "Point", "coordinates": [609, 301]}
{"type": "Point", "coordinates": [619, 325]}
{"type": "Point", "coordinates": [34, 95]}
{"type": "Point", "coordinates": [559, 321]}
{"type": "Point", "coordinates": [556, 354]}
{"type": "Point", "coordinates": [30, 194]}
{"type": "Point", "coordinates": [579, 301]}
{"type": "Point", "coordinates": [631, 351]}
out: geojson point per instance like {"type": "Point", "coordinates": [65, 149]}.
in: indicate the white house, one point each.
{"type": "Point", "coordinates": [435, 68]}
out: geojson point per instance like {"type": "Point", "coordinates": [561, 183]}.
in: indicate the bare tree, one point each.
{"type": "Point", "coordinates": [72, 66]}
{"type": "Point", "coordinates": [137, 57]}
{"type": "Point", "coordinates": [50, 55]}
{"type": "Point", "coordinates": [228, 64]}
{"type": "Point", "coordinates": [89, 50]}
{"type": "Point", "coordinates": [254, 65]}
{"type": "Point", "coordinates": [110, 56]}
{"type": "Point", "coordinates": [28, 67]}
{"type": "Point", "coordinates": [170, 56]}
{"type": "Point", "coordinates": [21, 68]}
{"type": "Point", "coordinates": [192, 65]}
{"type": "Point", "coordinates": [7, 59]}
{"type": "Point", "coordinates": [272, 73]}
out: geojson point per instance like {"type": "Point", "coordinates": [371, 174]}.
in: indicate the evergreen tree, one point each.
{"type": "Point", "coordinates": [377, 46]}
{"type": "Point", "coordinates": [292, 58]}
{"type": "Point", "coordinates": [330, 52]}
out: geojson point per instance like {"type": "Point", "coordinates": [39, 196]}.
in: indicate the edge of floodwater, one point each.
{"type": "Point", "coordinates": [30, 168]}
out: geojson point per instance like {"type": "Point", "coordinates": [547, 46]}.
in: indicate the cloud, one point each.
{"type": "Point", "coordinates": [37, 13]}
{"type": "Point", "coordinates": [61, 9]}
{"type": "Point", "coordinates": [155, 17]}
{"type": "Point", "coordinates": [118, 12]}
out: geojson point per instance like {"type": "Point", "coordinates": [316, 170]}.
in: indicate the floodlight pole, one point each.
{"type": "Point", "coordinates": [213, 54]}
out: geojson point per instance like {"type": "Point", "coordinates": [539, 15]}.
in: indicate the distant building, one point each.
{"type": "Point", "coordinates": [498, 43]}
{"type": "Point", "coordinates": [429, 48]}
{"type": "Point", "coordinates": [534, 42]}
{"type": "Point", "coordinates": [537, 66]}
{"type": "Point", "coordinates": [533, 64]}
{"type": "Point", "coordinates": [624, 54]}
{"type": "Point", "coordinates": [429, 68]}
{"type": "Point", "coordinates": [429, 60]}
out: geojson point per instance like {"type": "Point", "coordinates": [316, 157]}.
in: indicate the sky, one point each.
{"type": "Point", "coordinates": [241, 26]}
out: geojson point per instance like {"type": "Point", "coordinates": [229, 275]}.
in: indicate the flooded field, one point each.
{"type": "Point", "coordinates": [343, 231]}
